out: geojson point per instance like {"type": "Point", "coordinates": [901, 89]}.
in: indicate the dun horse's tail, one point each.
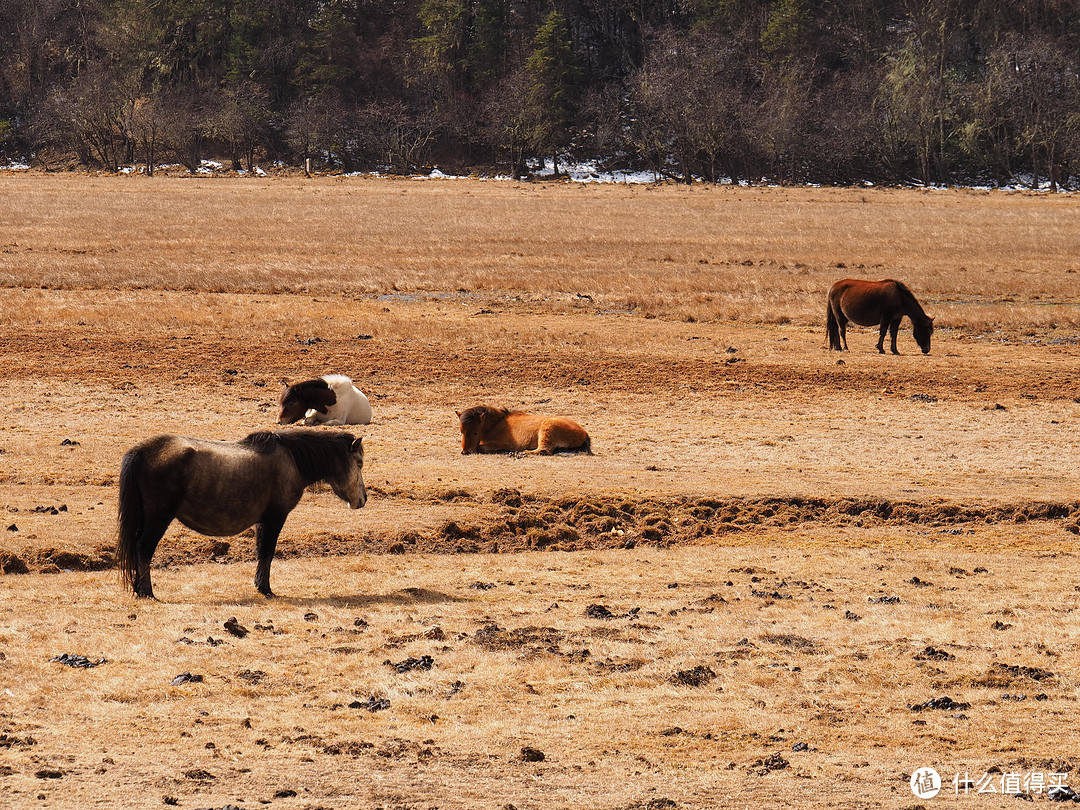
{"type": "Point", "coordinates": [832, 327]}
{"type": "Point", "coordinates": [587, 446]}
{"type": "Point", "coordinates": [129, 518]}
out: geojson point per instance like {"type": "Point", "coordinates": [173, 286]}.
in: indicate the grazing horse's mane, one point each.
{"type": "Point", "coordinates": [316, 453]}
{"type": "Point", "coordinates": [910, 301]}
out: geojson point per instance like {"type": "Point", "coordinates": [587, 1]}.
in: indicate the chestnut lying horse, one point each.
{"type": "Point", "coordinates": [485, 429]}
{"type": "Point", "coordinates": [875, 303]}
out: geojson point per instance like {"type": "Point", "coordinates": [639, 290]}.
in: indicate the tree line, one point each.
{"type": "Point", "coordinates": [832, 91]}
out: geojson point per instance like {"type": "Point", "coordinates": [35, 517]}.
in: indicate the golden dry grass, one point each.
{"type": "Point", "coordinates": [710, 253]}
{"type": "Point", "coordinates": [135, 306]}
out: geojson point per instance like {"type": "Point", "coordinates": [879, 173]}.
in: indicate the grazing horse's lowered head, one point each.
{"type": "Point", "coordinates": [332, 399]}
{"type": "Point", "coordinates": [486, 429]}
{"type": "Point", "coordinates": [922, 329]}
{"type": "Point", "coordinates": [221, 488]}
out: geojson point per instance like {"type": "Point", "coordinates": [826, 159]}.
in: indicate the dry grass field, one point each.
{"type": "Point", "coordinates": [775, 553]}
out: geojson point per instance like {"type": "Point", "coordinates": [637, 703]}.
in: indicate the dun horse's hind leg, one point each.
{"type": "Point", "coordinates": [545, 446]}
{"type": "Point", "coordinates": [266, 537]}
{"type": "Point", "coordinates": [153, 530]}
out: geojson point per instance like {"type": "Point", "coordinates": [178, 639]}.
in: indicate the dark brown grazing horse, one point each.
{"type": "Point", "coordinates": [222, 488]}
{"type": "Point", "coordinates": [875, 303]}
{"type": "Point", "coordinates": [485, 429]}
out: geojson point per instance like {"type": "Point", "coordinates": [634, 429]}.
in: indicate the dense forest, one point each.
{"type": "Point", "coordinates": [935, 91]}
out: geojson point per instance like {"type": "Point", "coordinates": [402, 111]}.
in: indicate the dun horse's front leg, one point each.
{"type": "Point", "coordinates": [894, 328]}
{"type": "Point", "coordinates": [266, 537]}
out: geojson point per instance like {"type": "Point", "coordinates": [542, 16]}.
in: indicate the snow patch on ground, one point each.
{"type": "Point", "coordinates": [580, 172]}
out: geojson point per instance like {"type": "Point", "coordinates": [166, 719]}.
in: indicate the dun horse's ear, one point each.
{"type": "Point", "coordinates": [458, 414]}
{"type": "Point", "coordinates": [357, 445]}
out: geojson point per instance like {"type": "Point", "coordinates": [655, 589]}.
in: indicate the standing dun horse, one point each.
{"type": "Point", "coordinates": [875, 303]}
{"type": "Point", "coordinates": [222, 488]}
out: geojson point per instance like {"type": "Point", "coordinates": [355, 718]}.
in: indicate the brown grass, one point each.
{"type": "Point", "coordinates": [708, 253]}
{"type": "Point", "coordinates": [750, 504]}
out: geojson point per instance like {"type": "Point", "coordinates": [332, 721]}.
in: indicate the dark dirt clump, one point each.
{"type": "Point", "coordinates": [698, 676]}
{"type": "Point", "coordinates": [12, 564]}
{"type": "Point", "coordinates": [944, 703]}
{"type": "Point", "coordinates": [1001, 676]}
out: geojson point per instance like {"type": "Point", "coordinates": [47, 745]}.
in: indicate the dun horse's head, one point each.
{"type": "Point", "coordinates": [349, 483]}
{"type": "Point", "coordinates": [475, 423]}
{"type": "Point", "coordinates": [922, 332]}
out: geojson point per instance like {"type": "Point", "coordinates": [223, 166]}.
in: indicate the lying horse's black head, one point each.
{"type": "Point", "coordinates": [299, 398]}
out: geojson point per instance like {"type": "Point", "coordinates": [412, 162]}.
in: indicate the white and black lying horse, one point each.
{"type": "Point", "coordinates": [222, 488]}
{"type": "Point", "coordinates": [332, 399]}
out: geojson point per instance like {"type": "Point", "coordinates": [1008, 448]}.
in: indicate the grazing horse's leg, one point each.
{"type": "Point", "coordinates": [894, 328]}
{"type": "Point", "coordinates": [841, 326]}
{"type": "Point", "coordinates": [266, 537]}
{"type": "Point", "coordinates": [882, 329]}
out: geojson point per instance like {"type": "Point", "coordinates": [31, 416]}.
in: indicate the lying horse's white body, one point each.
{"type": "Point", "coordinates": [330, 400]}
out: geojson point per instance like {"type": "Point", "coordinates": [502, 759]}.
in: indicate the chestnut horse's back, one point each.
{"type": "Point", "coordinates": [544, 435]}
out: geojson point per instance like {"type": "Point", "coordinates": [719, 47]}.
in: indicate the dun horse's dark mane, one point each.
{"type": "Point", "coordinates": [316, 453]}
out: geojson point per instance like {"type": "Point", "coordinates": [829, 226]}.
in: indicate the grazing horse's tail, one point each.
{"type": "Point", "coordinates": [130, 518]}
{"type": "Point", "coordinates": [832, 327]}
{"type": "Point", "coordinates": [587, 446]}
